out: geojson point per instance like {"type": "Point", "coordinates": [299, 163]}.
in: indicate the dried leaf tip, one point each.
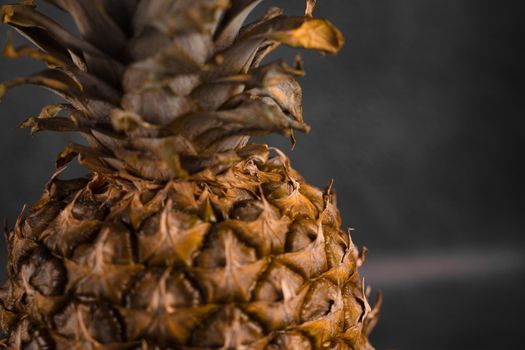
{"type": "Point", "coordinates": [6, 13]}
{"type": "Point", "coordinates": [311, 33]}
{"type": "Point", "coordinates": [310, 7]}
{"type": "Point", "coordinates": [9, 50]}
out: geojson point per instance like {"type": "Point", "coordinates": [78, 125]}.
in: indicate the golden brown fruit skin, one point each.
{"type": "Point", "coordinates": [250, 258]}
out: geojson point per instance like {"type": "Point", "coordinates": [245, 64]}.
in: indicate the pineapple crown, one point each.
{"type": "Point", "coordinates": [164, 88]}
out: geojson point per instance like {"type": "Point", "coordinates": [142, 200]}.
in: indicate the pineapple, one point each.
{"type": "Point", "coordinates": [184, 235]}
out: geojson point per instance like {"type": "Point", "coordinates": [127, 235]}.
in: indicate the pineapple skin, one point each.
{"type": "Point", "coordinates": [251, 258]}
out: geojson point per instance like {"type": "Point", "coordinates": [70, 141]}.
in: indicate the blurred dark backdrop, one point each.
{"type": "Point", "coordinates": [420, 122]}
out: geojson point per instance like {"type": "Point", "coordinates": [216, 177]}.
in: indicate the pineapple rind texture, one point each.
{"type": "Point", "coordinates": [252, 258]}
{"type": "Point", "coordinates": [184, 235]}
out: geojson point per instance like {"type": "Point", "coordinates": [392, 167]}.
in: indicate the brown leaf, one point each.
{"type": "Point", "coordinates": [47, 44]}
{"type": "Point", "coordinates": [28, 16]}
{"type": "Point", "coordinates": [310, 7]}
{"type": "Point", "coordinates": [56, 81]}
{"type": "Point", "coordinates": [11, 52]}
{"type": "Point", "coordinates": [91, 158]}
{"type": "Point", "coordinates": [212, 96]}
{"type": "Point", "coordinates": [251, 117]}
{"type": "Point", "coordinates": [147, 166]}
{"type": "Point", "coordinates": [276, 80]}
{"type": "Point", "coordinates": [95, 25]}
{"type": "Point", "coordinates": [122, 12]}
{"type": "Point", "coordinates": [306, 32]}
{"type": "Point", "coordinates": [60, 124]}
{"type": "Point", "coordinates": [236, 15]}
{"type": "Point", "coordinates": [158, 106]}
{"type": "Point", "coordinates": [172, 17]}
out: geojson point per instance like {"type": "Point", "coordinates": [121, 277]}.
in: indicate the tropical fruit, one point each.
{"type": "Point", "coordinates": [184, 235]}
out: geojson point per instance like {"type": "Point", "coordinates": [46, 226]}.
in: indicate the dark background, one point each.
{"type": "Point", "coordinates": [420, 122]}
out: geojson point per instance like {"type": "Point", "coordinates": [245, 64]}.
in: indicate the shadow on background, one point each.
{"type": "Point", "coordinates": [419, 121]}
